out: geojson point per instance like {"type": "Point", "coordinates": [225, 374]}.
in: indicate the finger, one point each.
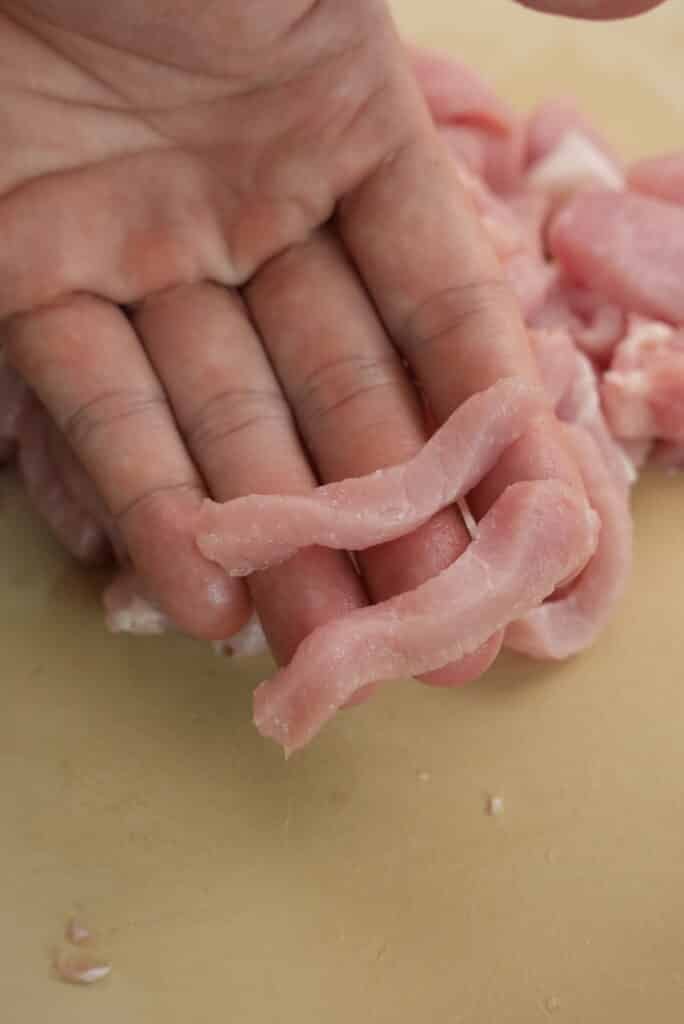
{"type": "Point", "coordinates": [355, 406]}
{"type": "Point", "coordinates": [77, 531]}
{"type": "Point", "coordinates": [239, 429]}
{"type": "Point", "coordinates": [81, 489]}
{"type": "Point", "coordinates": [88, 368]}
{"type": "Point", "coordinates": [592, 9]}
{"type": "Point", "coordinates": [439, 289]}
{"type": "Point", "coordinates": [13, 399]}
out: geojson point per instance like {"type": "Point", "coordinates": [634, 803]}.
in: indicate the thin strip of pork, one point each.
{"type": "Point", "coordinates": [258, 531]}
{"type": "Point", "coordinates": [628, 247]}
{"type": "Point", "coordinates": [560, 628]}
{"type": "Point", "coordinates": [535, 536]}
{"type": "Point", "coordinates": [661, 176]}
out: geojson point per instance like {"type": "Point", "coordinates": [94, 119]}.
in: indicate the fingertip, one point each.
{"type": "Point", "coordinates": [468, 669]}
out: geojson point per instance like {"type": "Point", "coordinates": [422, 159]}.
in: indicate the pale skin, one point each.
{"type": "Point", "coordinates": [227, 230]}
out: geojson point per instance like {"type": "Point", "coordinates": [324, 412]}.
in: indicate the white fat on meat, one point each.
{"type": "Point", "coordinates": [259, 531]}
{"type": "Point", "coordinates": [574, 163]}
{"type": "Point", "coordinates": [535, 536]}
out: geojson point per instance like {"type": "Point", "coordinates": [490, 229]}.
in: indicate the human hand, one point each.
{"type": "Point", "coordinates": [189, 172]}
{"type": "Point", "coordinates": [593, 9]}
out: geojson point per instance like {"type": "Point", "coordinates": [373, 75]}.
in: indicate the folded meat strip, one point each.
{"type": "Point", "coordinates": [534, 537]}
{"type": "Point", "coordinates": [563, 627]}
{"type": "Point", "coordinates": [661, 176]}
{"type": "Point", "coordinates": [629, 247]}
{"type": "Point", "coordinates": [258, 531]}
{"type": "Point", "coordinates": [596, 325]}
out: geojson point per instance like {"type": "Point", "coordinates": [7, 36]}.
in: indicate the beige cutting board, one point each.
{"type": "Point", "coordinates": [362, 881]}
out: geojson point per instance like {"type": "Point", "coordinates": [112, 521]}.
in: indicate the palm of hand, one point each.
{"type": "Point", "coordinates": [182, 174]}
{"type": "Point", "coordinates": [147, 160]}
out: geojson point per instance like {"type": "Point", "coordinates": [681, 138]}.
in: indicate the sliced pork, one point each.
{"type": "Point", "coordinates": [628, 247]}
{"type": "Point", "coordinates": [534, 537]}
{"type": "Point", "coordinates": [258, 531]}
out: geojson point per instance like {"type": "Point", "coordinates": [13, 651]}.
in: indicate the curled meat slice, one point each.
{"type": "Point", "coordinates": [595, 324]}
{"type": "Point", "coordinates": [258, 531]}
{"type": "Point", "coordinates": [628, 247]}
{"type": "Point", "coordinates": [564, 626]}
{"type": "Point", "coordinates": [534, 537]}
{"type": "Point", "coordinates": [661, 176]}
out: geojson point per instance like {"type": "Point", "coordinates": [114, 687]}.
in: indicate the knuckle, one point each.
{"type": "Point", "coordinates": [451, 311]}
{"type": "Point", "coordinates": [343, 384]}
{"type": "Point", "coordinates": [234, 412]}
{"type": "Point", "coordinates": [108, 410]}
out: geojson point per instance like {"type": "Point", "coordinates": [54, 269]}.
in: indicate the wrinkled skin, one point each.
{"type": "Point", "coordinates": [175, 291]}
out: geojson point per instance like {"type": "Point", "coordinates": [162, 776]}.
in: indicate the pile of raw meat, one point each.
{"type": "Point", "coordinates": [595, 253]}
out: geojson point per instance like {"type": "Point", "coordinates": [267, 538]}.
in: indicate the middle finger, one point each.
{"type": "Point", "coordinates": [355, 405]}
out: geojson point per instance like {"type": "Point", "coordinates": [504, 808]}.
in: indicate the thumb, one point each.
{"type": "Point", "coordinates": [592, 8]}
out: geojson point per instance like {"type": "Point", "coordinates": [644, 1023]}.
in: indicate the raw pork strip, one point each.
{"type": "Point", "coordinates": [258, 531]}
{"type": "Point", "coordinates": [534, 537]}
{"type": "Point", "coordinates": [564, 626]}
{"type": "Point", "coordinates": [628, 247]}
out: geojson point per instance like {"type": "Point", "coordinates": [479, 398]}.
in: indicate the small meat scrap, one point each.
{"type": "Point", "coordinates": [495, 806]}
{"type": "Point", "coordinates": [80, 968]}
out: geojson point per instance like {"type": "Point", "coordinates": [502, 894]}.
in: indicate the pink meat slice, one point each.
{"type": "Point", "coordinates": [661, 176]}
{"type": "Point", "coordinates": [258, 531]}
{"type": "Point", "coordinates": [643, 392]}
{"type": "Point", "coordinates": [535, 536]}
{"type": "Point", "coordinates": [595, 324]}
{"type": "Point", "coordinates": [628, 247]}
{"type": "Point", "coordinates": [560, 628]}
